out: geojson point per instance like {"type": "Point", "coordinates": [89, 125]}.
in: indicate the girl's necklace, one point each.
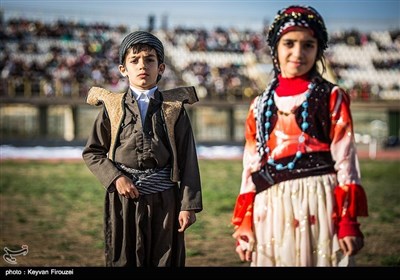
{"type": "Point", "coordinates": [304, 125]}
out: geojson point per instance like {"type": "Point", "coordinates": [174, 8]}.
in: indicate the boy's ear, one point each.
{"type": "Point", "coordinates": [161, 69]}
{"type": "Point", "coordinates": [122, 70]}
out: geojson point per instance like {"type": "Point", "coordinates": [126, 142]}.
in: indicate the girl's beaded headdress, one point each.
{"type": "Point", "coordinates": [301, 16]}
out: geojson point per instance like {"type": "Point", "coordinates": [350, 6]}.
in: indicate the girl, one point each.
{"type": "Point", "coordinates": [300, 193]}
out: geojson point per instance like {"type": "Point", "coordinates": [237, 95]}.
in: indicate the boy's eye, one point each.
{"type": "Point", "coordinates": [148, 60]}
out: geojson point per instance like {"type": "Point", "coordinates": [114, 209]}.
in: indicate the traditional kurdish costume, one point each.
{"type": "Point", "coordinates": [144, 231]}
{"type": "Point", "coordinates": [157, 150]}
{"type": "Point", "coordinates": [299, 137]}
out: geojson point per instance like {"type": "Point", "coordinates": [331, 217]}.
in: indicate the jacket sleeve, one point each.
{"type": "Point", "coordinates": [189, 173]}
{"type": "Point", "coordinates": [96, 149]}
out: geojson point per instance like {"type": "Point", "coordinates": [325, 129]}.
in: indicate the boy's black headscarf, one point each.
{"type": "Point", "coordinates": [141, 37]}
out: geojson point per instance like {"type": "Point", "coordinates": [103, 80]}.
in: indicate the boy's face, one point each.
{"type": "Point", "coordinates": [142, 68]}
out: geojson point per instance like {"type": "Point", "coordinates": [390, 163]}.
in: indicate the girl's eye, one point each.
{"type": "Point", "coordinates": [309, 45]}
{"type": "Point", "coordinates": [288, 44]}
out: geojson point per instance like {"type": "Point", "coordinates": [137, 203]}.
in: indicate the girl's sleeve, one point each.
{"type": "Point", "coordinates": [243, 210]}
{"type": "Point", "coordinates": [351, 200]}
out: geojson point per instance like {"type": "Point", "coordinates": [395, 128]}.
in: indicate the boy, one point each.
{"type": "Point", "coordinates": [143, 151]}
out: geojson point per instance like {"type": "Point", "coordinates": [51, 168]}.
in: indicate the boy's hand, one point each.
{"type": "Point", "coordinates": [125, 187]}
{"type": "Point", "coordinates": [186, 219]}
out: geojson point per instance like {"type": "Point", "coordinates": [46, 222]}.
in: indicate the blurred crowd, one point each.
{"type": "Point", "coordinates": [67, 58]}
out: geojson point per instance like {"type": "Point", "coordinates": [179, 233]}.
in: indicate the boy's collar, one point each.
{"type": "Point", "coordinates": [138, 92]}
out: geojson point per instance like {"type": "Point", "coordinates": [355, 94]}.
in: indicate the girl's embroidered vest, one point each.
{"type": "Point", "coordinates": [317, 163]}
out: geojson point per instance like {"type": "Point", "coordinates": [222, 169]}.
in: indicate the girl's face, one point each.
{"type": "Point", "coordinates": [142, 68]}
{"type": "Point", "coordinates": [297, 52]}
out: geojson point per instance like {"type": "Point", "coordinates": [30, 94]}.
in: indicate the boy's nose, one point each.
{"type": "Point", "coordinates": [141, 63]}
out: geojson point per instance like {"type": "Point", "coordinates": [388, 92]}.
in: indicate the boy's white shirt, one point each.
{"type": "Point", "coordinates": [143, 98]}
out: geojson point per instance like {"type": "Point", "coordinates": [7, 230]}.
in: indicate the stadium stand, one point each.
{"type": "Point", "coordinates": [63, 59]}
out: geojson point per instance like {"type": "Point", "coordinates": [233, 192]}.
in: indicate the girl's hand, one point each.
{"type": "Point", "coordinates": [244, 253]}
{"type": "Point", "coordinates": [351, 245]}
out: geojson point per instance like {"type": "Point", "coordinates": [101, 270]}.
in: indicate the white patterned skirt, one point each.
{"type": "Point", "coordinates": [293, 223]}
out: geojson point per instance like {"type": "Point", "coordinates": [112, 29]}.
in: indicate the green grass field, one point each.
{"type": "Point", "coordinates": [56, 208]}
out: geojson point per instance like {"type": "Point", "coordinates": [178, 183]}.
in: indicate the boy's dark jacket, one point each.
{"type": "Point", "coordinates": [184, 166]}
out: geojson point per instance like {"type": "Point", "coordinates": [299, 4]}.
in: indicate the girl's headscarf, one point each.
{"type": "Point", "coordinates": [300, 16]}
